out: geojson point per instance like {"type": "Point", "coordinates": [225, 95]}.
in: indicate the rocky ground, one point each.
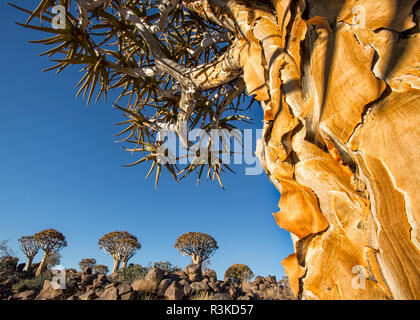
{"type": "Point", "coordinates": [190, 284]}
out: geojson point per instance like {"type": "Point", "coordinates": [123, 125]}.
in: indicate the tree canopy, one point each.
{"type": "Point", "coordinates": [100, 268]}
{"type": "Point", "coordinates": [238, 273]}
{"type": "Point", "coordinates": [121, 245]}
{"type": "Point", "coordinates": [53, 259]}
{"type": "Point", "coordinates": [29, 246]}
{"type": "Point", "coordinates": [165, 266]}
{"type": "Point", "coordinates": [199, 246]}
{"type": "Point", "coordinates": [87, 263]}
{"type": "Point", "coordinates": [126, 248]}
{"type": "Point", "coordinates": [50, 240]}
{"type": "Point", "coordinates": [5, 250]}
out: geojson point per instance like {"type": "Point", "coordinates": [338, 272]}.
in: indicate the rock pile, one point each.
{"type": "Point", "coordinates": [189, 284]}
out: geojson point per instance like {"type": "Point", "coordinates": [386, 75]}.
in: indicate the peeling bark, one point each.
{"type": "Point", "coordinates": [338, 82]}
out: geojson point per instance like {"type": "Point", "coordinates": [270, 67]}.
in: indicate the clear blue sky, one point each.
{"type": "Point", "coordinates": [60, 168]}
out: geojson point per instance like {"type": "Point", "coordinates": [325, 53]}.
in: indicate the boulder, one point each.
{"type": "Point", "coordinates": [192, 268]}
{"type": "Point", "coordinates": [258, 280]}
{"type": "Point", "coordinates": [127, 296]}
{"type": "Point", "coordinates": [88, 295]}
{"type": "Point", "coordinates": [110, 293]}
{"type": "Point", "coordinates": [124, 288]}
{"type": "Point", "coordinates": [198, 287]}
{"type": "Point", "coordinates": [100, 281]}
{"type": "Point", "coordinates": [186, 288]}
{"type": "Point", "coordinates": [163, 286]}
{"type": "Point", "coordinates": [49, 292]}
{"type": "Point", "coordinates": [8, 263]}
{"type": "Point", "coordinates": [180, 275]}
{"type": "Point", "coordinates": [86, 280]}
{"type": "Point", "coordinates": [155, 275]}
{"type": "Point", "coordinates": [221, 296]}
{"type": "Point", "coordinates": [174, 291]}
{"type": "Point", "coordinates": [24, 295]}
{"type": "Point", "coordinates": [195, 277]}
{"type": "Point", "coordinates": [214, 287]}
{"type": "Point", "coordinates": [9, 274]}
{"type": "Point", "coordinates": [112, 285]}
{"type": "Point", "coordinates": [225, 285]}
{"type": "Point", "coordinates": [205, 284]}
{"type": "Point", "coordinates": [193, 271]}
{"type": "Point", "coordinates": [211, 274]}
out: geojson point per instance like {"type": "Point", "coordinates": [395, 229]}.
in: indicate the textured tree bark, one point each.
{"type": "Point", "coordinates": [29, 263]}
{"type": "Point", "coordinates": [124, 265]}
{"type": "Point", "coordinates": [41, 266]}
{"type": "Point", "coordinates": [116, 265]}
{"type": "Point", "coordinates": [339, 84]}
{"type": "Point", "coordinates": [197, 260]}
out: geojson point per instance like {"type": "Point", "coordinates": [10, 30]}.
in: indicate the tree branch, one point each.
{"type": "Point", "coordinates": [165, 8]}
{"type": "Point", "coordinates": [208, 42]}
{"type": "Point", "coordinates": [151, 71]}
{"type": "Point", "coordinates": [84, 7]}
{"type": "Point", "coordinates": [163, 63]}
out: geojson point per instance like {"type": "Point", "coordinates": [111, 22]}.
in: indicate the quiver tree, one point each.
{"type": "Point", "coordinates": [125, 249]}
{"type": "Point", "coordinates": [51, 242]}
{"type": "Point", "coordinates": [196, 245]}
{"type": "Point", "coordinates": [237, 273]}
{"type": "Point", "coordinates": [5, 250]}
{"type": "Point", "coordinates": [87, 263]}
{"type": "Point", "coordinates": [100, 269]}
{"type": "Point", "coordinates": [120, 245]}
{"type": "Point", "coordinates": [53, 260]}
{"type": "Point", "coordinates": [338, 83]}
{"type": "Point", "coordinates": [30, 248]}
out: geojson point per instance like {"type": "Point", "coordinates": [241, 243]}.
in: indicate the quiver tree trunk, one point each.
{"type": "Point", "coordinates": [197, 260]}
{"type": "Point", "coordinates": [340, 143]}
{"type": "Point", "coordinates": [339, 85]}
{"type": "Point", "coordinates": [28, 263]}
{"type": "Point", "coordinates": [124, 265]}
{"type": "Point", "coordinates": [42, 265]}
{"type": "Point", "coordinates": [116, 265]}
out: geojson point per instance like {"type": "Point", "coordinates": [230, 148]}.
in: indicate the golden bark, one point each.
{"type": "Point", "coordinates": [42, 265]}
{"type": "Point", "coordinates": [116, 266]}
{"type": "Point", "coordinates": [339, 84]}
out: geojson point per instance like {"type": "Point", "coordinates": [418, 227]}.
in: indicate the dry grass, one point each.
{"type": "Point", "coordinates": [146, 289]}
{"type": "Point", "coordinates": [202, 296]}
{"type": "Point", "coordinates": [272, 294]}
{"type": "Point", "coordinates": [147, 297]}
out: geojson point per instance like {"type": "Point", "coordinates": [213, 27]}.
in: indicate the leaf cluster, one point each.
{"type": "Point", "coordinates": [50, 240]}
{"type": "Point", "coordinates": [238, 273]}
{"type": "Point", "coordinates": [119, 244]}
{"type": "Point", "coordinates": [196, 244]}
{"type": "Point", "coordinates": [100, 268]}
{"type": "Point", "coordinates": [110, 50]}
{"type": "Point", "coordinates": [87, 263]}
